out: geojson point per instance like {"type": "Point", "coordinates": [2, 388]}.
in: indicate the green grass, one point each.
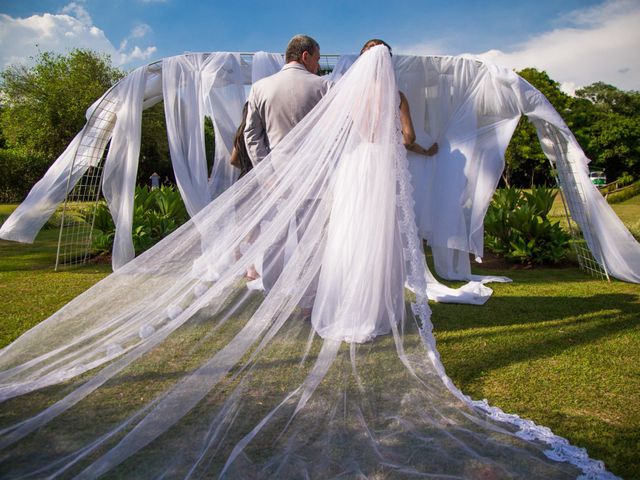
{"type": "Point", "coordinates": [30, 290]}
{"type": "Point", "coordinates": [628, 211]}
{"type": "Point", "coordinates": [556, 346]}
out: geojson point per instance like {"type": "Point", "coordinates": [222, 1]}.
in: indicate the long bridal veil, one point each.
{"type": "Point", "coordinates": [172, 368]}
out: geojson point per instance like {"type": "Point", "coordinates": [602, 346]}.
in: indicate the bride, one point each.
{"type": "Point", "coordinates": [359, 298]}
{"type": "Point", "coordinates": [172, 368]}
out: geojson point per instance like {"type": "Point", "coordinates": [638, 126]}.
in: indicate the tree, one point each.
{"type": "Point", "coordinates": [154, 146]}
{"type": "Point", "coordinates": [606, 122]}
{"type": "Point", "coordinates": [614, 145]}
{"type": "Point", "coordinates": [525, 163]}
{"type": "Point", "coordinates": [610, 99]}
{"type": "Point", "coordinates": [43, 106]}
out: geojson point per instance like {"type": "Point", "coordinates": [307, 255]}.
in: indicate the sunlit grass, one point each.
{"type": "Point", "coordinates": [556, 346]}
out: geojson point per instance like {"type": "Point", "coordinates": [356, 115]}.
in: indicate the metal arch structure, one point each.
{"type": "Point", "coordinates": [76, 233]}
{"type": "Point", "coordinates": [77, 213]}
{"type": "Point", "coordinates": [78, 210]}
{"type": "Point", "coordinates": [585, 245]}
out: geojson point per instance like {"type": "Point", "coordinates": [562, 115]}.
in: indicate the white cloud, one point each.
{"type": "Point", "coordinates": [140, 30]}
{"type": "Point", "coordinates": [135, 54]}
{"type": "Point", "coordinates": [601, 43]}
{"type": "Point", "coordinates": [22, 38]}
{"type": "Point", "coordinates": [79, 12]}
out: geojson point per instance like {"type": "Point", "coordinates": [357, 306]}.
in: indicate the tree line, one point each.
{"type": "Point", "coordinates": [604, 119]}
{"type": "Point", "coordinates": [42, 107]}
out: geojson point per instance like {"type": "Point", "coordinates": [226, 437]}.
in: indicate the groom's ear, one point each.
{"type": "Point", "coordinates": [304, 57]}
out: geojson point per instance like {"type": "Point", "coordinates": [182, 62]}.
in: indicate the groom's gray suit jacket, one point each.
{"type": "Point", "coordinates": [276, 104]}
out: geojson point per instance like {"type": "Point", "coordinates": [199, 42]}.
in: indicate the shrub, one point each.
{"type": "Point", "coordinates": [625, 179]}
{"type": "Point", "coordinates": [625, 193]}
{"type": "Point", "coordinates": [156, 213]}
{"type": "Point", "coordinates": [517, 227]}
{"type": "Point", "coordinates": [18, 173]}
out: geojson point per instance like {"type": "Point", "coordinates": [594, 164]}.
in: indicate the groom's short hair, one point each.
{"type": "Point", "coordinates": [298, 45]}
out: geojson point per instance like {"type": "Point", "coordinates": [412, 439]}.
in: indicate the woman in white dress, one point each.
{"type": "Point", "coordinates": [361, 286]}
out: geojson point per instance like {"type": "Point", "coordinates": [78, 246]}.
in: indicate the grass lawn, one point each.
{"type": "Point", "coordinates": [30, 290]}
{"type": "Point", "coordinates": [555, 346]}
{"type": "Point", "coordinates": [628, 211]}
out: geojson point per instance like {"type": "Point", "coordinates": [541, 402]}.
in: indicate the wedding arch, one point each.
{"type": "Point", "coordinates": [471, 108]}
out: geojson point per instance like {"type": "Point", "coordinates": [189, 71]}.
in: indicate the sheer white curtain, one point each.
{"type": "Point", "coordinates": [265, 64]}
{"type": "Point", "coordinates": [608, 238]}
{"type": "Point", "coordinates": [468, 107]}
{"type": "Point", "coordinates": [471, 109]}
{"type": "Point", "coordinates": [26, 221]}
{"type": "Point", "coordinates": [184, 108]}
{"type": "Point", "coordinates": [455, 102]}
{"type": "Point", "coordinates": [224, 97]}
{"type": "Point", "coordinates": [121, 166]}
{"type": "Point", "coordinates": [199, 85]}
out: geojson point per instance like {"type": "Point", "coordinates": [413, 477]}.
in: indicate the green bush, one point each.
{"type": "Point", "coordinates": [624, 194]}
{"type": "Point", "coordinates": [18, 173]}
{"type": "Point", "coordinates": [625, 179]}
{"type": "Point", "coordinates": [156, 213]}
{"type": "Point", "coordinates": [517, 227]}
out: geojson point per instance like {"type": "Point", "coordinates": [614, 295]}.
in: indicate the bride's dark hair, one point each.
{"type": "Point", "coordinates": [372, 43]}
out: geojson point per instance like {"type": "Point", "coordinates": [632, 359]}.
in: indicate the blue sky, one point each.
{"type": "Point", "coordinates": [577, 41]}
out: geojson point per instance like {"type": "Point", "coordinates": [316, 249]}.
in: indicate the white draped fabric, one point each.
{"type": "Point", "coordinates": [224, 98]}
{"type": "Point", "coordinates": [195, 86]}
{"type": "Point", "coordinates": [610, 241]}
{"type": "Point", "coordinates": [211, 85]}
{"type": "Point", "coordinates": [468, 107]}
{"type": "Point", "coordinates": [171, 368]}
{"type": "Point", "coordinates": [265, 64]}
{"type": "Point", "coordinates": [183, 94]}
{"type": "Point", "coordinates": [116, 117]}
{"type": "Point", "coordinates": [26, 221]}
{"type": "Point", "coordinates": [457, 103]}
{"type": "Point", "coordinates": [121, 166]}
{"type": "Point", "coordinates": [83, 152]}
{"type": "Point", "coordinates": [471, 109]}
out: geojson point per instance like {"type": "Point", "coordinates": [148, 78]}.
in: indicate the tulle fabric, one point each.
{"type": "Point", "coordinates": [360, 290]}
{"type": "Point", "coordinates": [172, 368]}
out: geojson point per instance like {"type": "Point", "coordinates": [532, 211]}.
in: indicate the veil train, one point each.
{"type": "Point", "coordinates": [171, 367]}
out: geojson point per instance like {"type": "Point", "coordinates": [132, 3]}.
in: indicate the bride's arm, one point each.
{"type": "Point", "coordinates": [408, 132]}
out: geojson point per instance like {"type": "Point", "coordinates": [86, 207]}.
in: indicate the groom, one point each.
{"type": "Point", "coordinates": [277, 103]}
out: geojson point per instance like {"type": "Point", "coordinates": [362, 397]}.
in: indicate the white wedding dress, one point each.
{"type": "Point", "coordinates": [172, 368]}
{"type": "Point", "coordinates": [360, 291]}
